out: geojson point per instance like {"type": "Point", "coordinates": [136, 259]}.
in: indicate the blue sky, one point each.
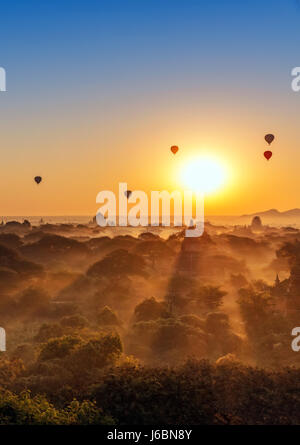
{"type": "Point", "coordinates": [71, 47]}
{"type": "Point", "coordinates": [81, 71]}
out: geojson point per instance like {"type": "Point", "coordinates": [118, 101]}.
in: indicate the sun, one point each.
{"type": "Point", "coordinates": [203, 175]}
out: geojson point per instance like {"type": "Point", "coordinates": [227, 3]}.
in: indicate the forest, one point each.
{"type": "Point", "coordinates": [119, 326]}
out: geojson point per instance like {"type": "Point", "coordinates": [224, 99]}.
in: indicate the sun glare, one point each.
{"type": "Point", "coordinates": [203, 175]}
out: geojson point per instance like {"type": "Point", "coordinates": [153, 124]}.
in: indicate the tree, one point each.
{"type": "Point", "coordinates": [107, 317]}
{"type": "Point", "coordinates": [48, 331]}
{"type": "Point", "coordinates": [150, 309]}
{"type": "Point", "coordinates": [117, 263]}
{"type": "Point", "coordinates": [23, 409]}
{"type": "Point", "coordinates": [59, 347]}
{"type": "Point", "coordinates": [208, 297]}
{"type": "Point", "coordinates": [97, 353]}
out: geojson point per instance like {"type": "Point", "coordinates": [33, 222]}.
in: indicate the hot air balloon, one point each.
{"type": "Point", "coordinates": [269, 138]}
{"type": "Point", "coordinates": [38, 179]}
{"type": "Point", "coordinates": [128, 193]}
{"type": "Point", "coordinates": [268, 154]}
{"type": "Point", "coordinates": [174, 149]}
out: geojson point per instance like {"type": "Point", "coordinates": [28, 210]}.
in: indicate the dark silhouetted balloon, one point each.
{"type": "Point", "coordinates": [174, 149]}
{"type": "Point", "coordinates": [268, 154]}
{"type": "Point", "coordinates": [128, 193]}
{"type": "Point", "coordinates": [38, 179]}
{"type": "Point", "coordinates": [269, 138]}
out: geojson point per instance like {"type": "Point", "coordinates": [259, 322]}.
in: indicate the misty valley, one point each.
{"type": "Point", "coordinates": [146, 326]}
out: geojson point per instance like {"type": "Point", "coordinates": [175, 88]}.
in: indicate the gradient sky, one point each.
{"type": "Point", "coordinates": [97, 92]}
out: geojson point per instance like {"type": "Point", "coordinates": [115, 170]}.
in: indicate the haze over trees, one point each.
{"type": "Point", "coordinates": [112, 327]}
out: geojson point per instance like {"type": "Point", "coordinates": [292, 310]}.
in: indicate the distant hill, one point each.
{"type": "Point", "coordinates": [294, 213]}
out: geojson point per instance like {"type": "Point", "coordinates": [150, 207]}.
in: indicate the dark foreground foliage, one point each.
{"type": "Point", "coordinates": [196, 393]}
